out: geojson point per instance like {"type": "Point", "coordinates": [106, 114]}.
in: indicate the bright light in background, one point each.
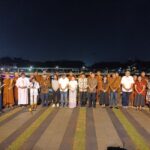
{"type": "Point", "coordinates": [83, 67]}
{"type": "Point", "coordinates": [30, 68]}
{"type": "Point", "coordinates": [57, 67]}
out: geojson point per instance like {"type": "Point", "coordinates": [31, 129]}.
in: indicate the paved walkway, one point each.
{"type": "Point", "coordinates": [77, 129]}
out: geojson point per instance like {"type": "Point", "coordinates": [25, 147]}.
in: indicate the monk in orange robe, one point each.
{"type": "Point", "coordinates": [144, 78]}
{"type": "Point", "coordinates": [145, 81]}
{"type": "Point", "coordinates": [119, 89]}
{"type": "Point", "coordinates": [16, 88]}
{"type": "Point", "coordinates": [8, 96]}
{"type": "Point", "coordinates": [132, 96]}
{"type": "Point", "coordinates": [37, 77]}
{"type": "Point", "coordinates": [109, 78]}
{"type": "Point", "coordinates": [49, 76]}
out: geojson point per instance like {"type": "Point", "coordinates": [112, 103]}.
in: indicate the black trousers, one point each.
{"type": "Point", "coordinates": [83, 98]}
{"type": "Point", "coordinates": [56, 97]}
{"type": "Point", "coordinates": [92, 99]}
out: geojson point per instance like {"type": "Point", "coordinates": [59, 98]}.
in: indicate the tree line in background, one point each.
{"type": "Point", "coordinates": [20, 62]}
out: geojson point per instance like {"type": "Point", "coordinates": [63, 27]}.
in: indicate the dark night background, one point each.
{"type": "Point", "coordinates": [89, 31]}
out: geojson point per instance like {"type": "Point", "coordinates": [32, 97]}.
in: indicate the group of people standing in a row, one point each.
{"type": "Point", "coordinates": [21, 90]}
{"type": "Point", "coordinates": [68, 91]}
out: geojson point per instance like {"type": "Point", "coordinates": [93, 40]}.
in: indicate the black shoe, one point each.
{"type": "Point", "coordinates": [116, 108]}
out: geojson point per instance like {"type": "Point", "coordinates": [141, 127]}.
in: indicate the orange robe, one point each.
{"type": "Point", "coordinates": [145, 81]}
{"type": "Point", "coordinates": [99, 81]}
{"type": "Point", "coordinates": [119, 89]}
{"type": "Point", "coordinates": [109, 82]}
{"type": "Point", "coordinates": [132, 95]}
{"type": "Point", "coordinates": [15, 90]}
{"type": "Point", "coordinates": [8, 96]}
{"type": "Point", "coordinates": [38, 78]}
{"type": "Point", "coordinates": [119, 83]}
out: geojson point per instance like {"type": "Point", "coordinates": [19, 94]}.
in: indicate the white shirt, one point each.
{"type": "Point", "coordinates": [34, 88]}
{"type": "Point", "coordinates": [23, 82]}
{"type": "Point", "coordinates": [127, 82]}
{"type": "Point", "coordinates": [55, 85]}
{"type": "Point", "coordinates": [73, 85]}
{"type": "Point", "coordinates": [63, 84]}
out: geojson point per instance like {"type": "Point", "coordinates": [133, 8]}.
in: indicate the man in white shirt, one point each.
{"type": "Point", "coordinates": [127, 83]}
{"type": "Point", "coordinates": [63, 85]}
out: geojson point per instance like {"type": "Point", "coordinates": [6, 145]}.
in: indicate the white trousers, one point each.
{"type": "Point", "coordinates": [33, 99]}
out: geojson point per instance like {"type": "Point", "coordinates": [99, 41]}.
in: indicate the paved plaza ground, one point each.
{"type": "Point", "coordinates": [78, 129]}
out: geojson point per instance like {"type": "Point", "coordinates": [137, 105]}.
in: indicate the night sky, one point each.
{"type": "Point", "coordinates": [90, 31]}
